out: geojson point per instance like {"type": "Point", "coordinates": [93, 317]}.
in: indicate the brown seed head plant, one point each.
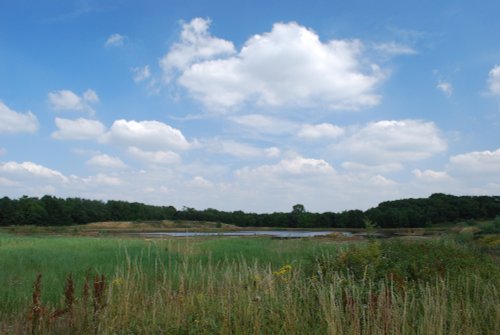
{"type": "Point", "coordinates": [36, 308]}
{"type": "Point", "coordinates": [98, 296]}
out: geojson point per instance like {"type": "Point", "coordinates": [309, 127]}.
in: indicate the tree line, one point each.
{"type": "Point", "coordinates": [436, 209]}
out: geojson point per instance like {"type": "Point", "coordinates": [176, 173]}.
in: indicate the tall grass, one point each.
{"type": "Point", "coordinates": [266, 287]}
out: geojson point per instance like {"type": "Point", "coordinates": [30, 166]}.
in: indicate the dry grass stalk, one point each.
{"type": "Point", "coordinates": [69, 300]}
{"type": "Point", "coordinates": [98, 296]}
{"type": "Point", "coordinates": [86, 296]}
{"type": "Point", "coordinates": [36, 308]}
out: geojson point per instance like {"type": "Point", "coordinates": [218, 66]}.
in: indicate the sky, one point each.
{"type": "Point", "coordinates": [249, 105]}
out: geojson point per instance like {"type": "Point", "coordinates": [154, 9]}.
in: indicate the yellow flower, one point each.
{"type": "Point", "coordinates": [117, 281]}
{"type": "Point", "coordinates": [283, 270]}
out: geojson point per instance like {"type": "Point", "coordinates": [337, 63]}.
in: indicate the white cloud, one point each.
{"type": "Point", "coordinates": [494, 80]}
{"type": "Point", "coordinates": [294, 166]}
{"type": "Point", "coordinates": [479, 164]}
{"type": "Point", "coordinates": [90, 96]}
{"type": "Point", "coordinates": [105, 161]}
{"type": "Point", "coordinates": [236, 149]}
{"type": "Point", "coordinates": [445, 87]}
{"type": "Point", "coordinates": [7, 182]}
{"type": "Point", "coordinates": [381, 181]}
{"type": "Point", "coordinates": [272, 152]}
{"type": "Point", "coordinates": [14, 122]}
{"type": "Point", "coordinates": [312, 182]}
{"type": "Point", "coordinates": [115, 40]}
{"type": "Point", "coordinates": [317, 131]}
{"type": "Point", "coordinates": [241, 150]}
{"type": "Point", "coordinates": [468, 173]}
{"type": "Point", "coordinates": [431, 175]}
{"type": "Point", "coordinates": [29, 178]}
{"type": "Point", "coordinates": [31, 169]}
{"type": "Point", "coordinates": [155, 157]}
{"type": "Point", "coordinates": [196, 44]}
{"type": "Point", "coordinates": [79, 129]}
{"type": "Point", "coordinates": [272, 187]}
{"type": "Point", "coordinates": [141, 73]}
{"type": "Point", "coordinates": [37, 180]}
{"type": "Point", "coordinates": [264, 124]}
{"type": "Point", "coordinates": [387, 142]}
{"type": "Point", "coordinates": [393, 49]}
{"type": "Point", "coordinates": [152, 135]}
{"type": "Point", "coordinates": [102, 179]}
{"type": "Point", "coordinates": [66, 100]}
{"type": "Point", "coordinates": [200, 182]}
{"type": "Point", "coordinates": [288, 66]}
{"type": "Point", "coordinates": [364, 168]}
{"type": "Point", "coordinates": [85, 152]}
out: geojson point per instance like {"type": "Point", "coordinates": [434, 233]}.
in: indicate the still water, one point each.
{"type": "Point", "coordinates": [273, 233]}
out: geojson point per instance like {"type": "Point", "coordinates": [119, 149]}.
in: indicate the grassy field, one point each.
{"type": "Point", "coordinates": [106, 285]}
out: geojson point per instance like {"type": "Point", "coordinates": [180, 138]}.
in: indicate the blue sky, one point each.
{"type": "Point", "coordinates": [249, 105]}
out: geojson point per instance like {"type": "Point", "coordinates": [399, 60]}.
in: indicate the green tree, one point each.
{"type": "Point", "coordinates": [298, 209]}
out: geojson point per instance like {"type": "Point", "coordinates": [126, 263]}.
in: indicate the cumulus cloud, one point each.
{"type": "Point", "coordinates": [13, 122]}
{"type": "Point", "coordinates": [102, 179]}
{"type": "Point", "coordinates": [66, 100]}
{"type": "Point", "coordinates": [154, 157]}
{"type": "Point", "coordinates": [196, 44]}
{"type": "Point", "coordinates": [288, 66]}
{"type": "Point", "coordinates": [431, 175]}
{"type": "Point", "coordinates": [386, 142]}
{"type": "Point", "coordinates": [147, 135]}
{"type": "Point", "coordinates": [312, 182]}
{"type": "Point", "coordinates": [200, 182]}
{"type": "Point", "coordinates": [30, 169]}
{"type": "Point", "coordinates": [90, 96]}
{"type": "Point", "coordinates": [317, 131]}
{"type": "Point", "coordinates": [480, 164]}
{"type": "Point", "coordinates": [35, 179]}
{"type": "Point", "coordinates": [105, 161]}
{"type": "Point", "coordinates": [79, 129]}
{"type": "Point", "coordinates": [371, 169]}
{"type": "Point", "coordinates": [141, 73]}
{"type": "Point", "coordinates": [445, 87]}
{"type": "Point", "coordinates": [494, 80]}
{"type": "Point", "coordinates": [473, 172]}
{"type": "Point", "coordinates": [292, 166]}
{"type": "Point", "coordinates": [7, 182]}
{"type": "Point", "coordinates": [115, 40]}
{"type": "Point", "coordinates": [381, 181]}
{"type": "Point", "coordinates": [272, 152]}
{"type": "Point", "coordinates": [270, 187]}
{"type": "Point", "coordinates": [264, 124]}
{"type": "Point", "coordinates": [241, 150]}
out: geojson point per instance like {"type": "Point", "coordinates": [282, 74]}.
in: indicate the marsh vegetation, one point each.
{"type": "Point", "coordinates": [234, 285]}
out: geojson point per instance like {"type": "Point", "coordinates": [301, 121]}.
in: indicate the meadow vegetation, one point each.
{"type": "Point", "coordinates": [225, 285]}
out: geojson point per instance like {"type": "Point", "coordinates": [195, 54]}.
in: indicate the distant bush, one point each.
{"type": "Point", "coordinates": [491, 227]}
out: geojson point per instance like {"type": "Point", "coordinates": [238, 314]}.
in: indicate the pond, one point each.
{"type": "Point", "coordinates": [273, 233]}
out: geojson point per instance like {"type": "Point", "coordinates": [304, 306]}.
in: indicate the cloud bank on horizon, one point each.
{"type": "Point", "coordinates": [249, 118]}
